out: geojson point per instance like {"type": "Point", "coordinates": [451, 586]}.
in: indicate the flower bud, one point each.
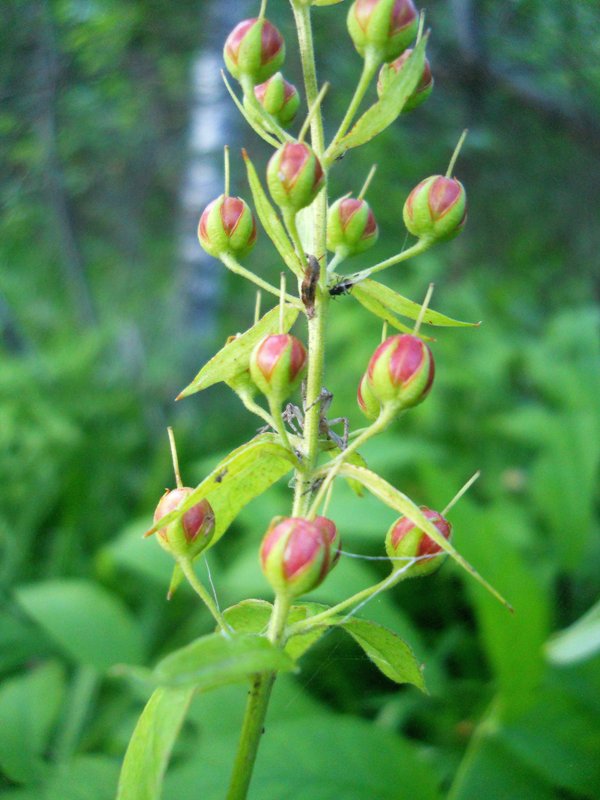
{"type": "Point", "coordinates": [332, 536]}
{"type": "Point", "coordinates": [277, 364]}
{"type": "Point", "coordinates": [436, 208]}
{"type": "Point", "coordinates": [294, 176]}
{"type": "Point", "coordinates": [279, 98]}
{"type": "Point", "coordinates": [294, 555]}
{"type": "Point", "coordinates": [351, 226]}
{"type": "Point", "coordinates": [405, 540]}
{"type": "Point", "coordinates": [401, 371]}
{"type": "Point", "coordinates": [254, 49]}
{"type": "Point", "coordinates": [227, 225]}
{"type": "Point", "coordinates": [368, 403]}
{"type": "Point", "coordinates": [424, 86]}
{"type": "Point", "coordinates": [384, 27]}
{"type": "Point", "coordinates": [189, 535]}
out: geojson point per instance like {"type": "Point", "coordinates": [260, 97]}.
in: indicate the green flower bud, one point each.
{"type": "Point", "coordinates": [279, 98]}
{"type": "Point", "coordinates": [405, 540]}
{"type": "Point", "coordinates": [368, 403]}
{"type": "Point", "coordinates": [277, 365]}
{"type": "Point", "coordinates": [401, 371]}
{"type": "Point", "coordinates": [254, 49]}
{"type": "Point", "coordinates": [227, 225]}
{"type": "Point", "coordinates": [294, 176]}
{"type": "Point", "coordinates": [424, 86]}
{"type": "Point", "coordinates": [294, 555]}
{"type": "Point", "coordinates": [192, 533]}
{"type": "Point", "coordinates": [383, 27]}
{"type": "Point", "coordinates": [436, 208]}
{"type": "Point", "coordinates": [351, 226]}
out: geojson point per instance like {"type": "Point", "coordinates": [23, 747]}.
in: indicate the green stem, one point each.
{"type": "Point", "coordinates": [188, 571]}
{"type": "Point", "coordinates": [419, 247]}
{"type": "Point", "coordinates": [83, 688]}
{"type": "Point", "coordinates": [339, 256]}
{"type": "Point", "coordinates": [289, 217]}
{"type": "Point", "coordinates": [233, 264]}
{"type": "Point", "coordinates": [254, 408]}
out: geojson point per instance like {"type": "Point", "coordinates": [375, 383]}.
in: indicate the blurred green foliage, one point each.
{"type": "Point", "coordinates": [93, 113]}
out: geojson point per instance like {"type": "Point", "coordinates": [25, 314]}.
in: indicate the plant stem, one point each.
{"type": "Point", "coordinates": [188, 571]}
{"type": "Point", "coordinates": [275, 409]}
{"type": "Point", "coordinates": [233, 264]}
{"type": "Point", "coordinates": [254, 408]}
{"type": "Point", "coordinates": [414, 250]}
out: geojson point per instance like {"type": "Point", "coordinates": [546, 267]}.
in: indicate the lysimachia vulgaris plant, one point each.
{"type": "Point", "coordinates": [280, 376]}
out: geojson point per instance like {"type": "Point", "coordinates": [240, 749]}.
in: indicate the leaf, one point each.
{"type": "Point", "coordinates": [374, 293]}
{"type": "Point", "coordinates": [85, 777]}
{"type": "Point", "coordinates": [578, 642]}
{"type": "Point", "coordinates": [387, 109]}
{"type": "Point", "coordinates": [357, 460]}
{"type": "Point", "coordinates": [29, 705]}
{"type": "Point", "coordinates": [88, 623]}
{"type": "Point", "coordinates": [271, 222]}
{"type": "Point", "coordinates": [241, 476]}
{"type": "Point", "coordinates": [234, 356]}
{"type": "Point", "coordinates": [379, 310]}
{"type": "Point", "coordinates": [404, 505]}
{"type": "Point", "coordinates": [216, 660]}
{"type": "Point", "coordinates": [151, 744]}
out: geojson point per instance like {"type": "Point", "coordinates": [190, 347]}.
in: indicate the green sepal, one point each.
{"type": "Point", "coordinates": [271, 221]}
{"type": "Point", "coordinates": [233, 358]}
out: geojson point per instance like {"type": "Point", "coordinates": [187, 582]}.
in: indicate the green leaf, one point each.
{"type": "Point", "coordinates": [29, 705]}
{"type": "Point", "coordinates": [373, 295]}
{"type": "Point", "coordinates": [377, 308]}
{"type": "Point", "coordinates": [85, 777]}
{"type": "Point", "coordinates": [578, 642]}
{"type": "Point", "coordinates": [243, 475]}
{"type": "Point", "coordinates": [88, 623]}
{"type": "Point", "coordinates": [404, 505]}
{"type": "Point", "coordinates": [216, 660]}
{"type": "Point", "coordinates": [151, 744]}
{"type": "Point", "coordinates": [233, 358]}
{"type": "Point", "coordinates": [357, 460]}
{"type": "Point", "coordinates": [271, 222]}
{"type": "Point", "coordinates": [382, 113]}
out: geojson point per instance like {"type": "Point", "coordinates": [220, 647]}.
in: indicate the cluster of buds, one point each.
{"type": "Point", "coordinates": [405, 541]}
{"type": "Point", "coordinates": [296, 554]}
{"type": "Point", "coordinates": [382, 29]}
{"type": "Point", "coordinates": [351, 227]}
{"type": "Point", "coordinates": [188, 536]}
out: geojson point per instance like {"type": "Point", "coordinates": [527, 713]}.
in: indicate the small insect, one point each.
{"type": "Point", "coordinates": [343, 287]}
{"type": "Point", "coordinates": [309, 284]}
{"type": "Point", "coordinates": [221, 475]}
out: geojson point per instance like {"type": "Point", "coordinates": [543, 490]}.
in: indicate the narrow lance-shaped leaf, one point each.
{"type": "Point", "coordinates": [404, 505]}
{"type": "Point", "coordinates": [243, 475]}
{"type": "Point", "coordinates": [371, 302]}
{"type": "Point", "coordinates": [216, 660]}
{"type": "Point", "coordinates": [233, 358]}
{"type": "Point", "coordinates": [382, 113]}
{"type": "Point", "coordinates": [369, 292]}
{"type": "Point", "coordinates": [150, 746]}
{"type": "Point", "coordinates": [271, 221]}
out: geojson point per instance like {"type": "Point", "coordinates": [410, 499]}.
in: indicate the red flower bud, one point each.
{"type": "Point", "coordinates": [332, 536]}
{"type": "Point", "coordinates": [279, 98]}
{"type": "Point", "coordinates": [277, 364]}
{"type": "Point", "coordinates": [436, 208]}
{"type": "Point", "coordinates": [351, 226]}
{"type": "Point", "coordinates": [294, 176]}
{"type": "Point", "coordinates": [424, 86]}
{"type": "Point", "coordinates": [368, 403]}
{"type": "Point", "coordinates": [254, 49]}
{"type": "Point", "coordinates": [294, 555]}
{"type": "Point", "coordinates": [189, 535]}
{"type": "Point", "coordinates": [401, 371]}
{"type": "Point", "coordinates": [405, 540]}
{"type": "Point", "coordinates": [227, 225]}
{"type": "Point", "coordinates": [383, 27]}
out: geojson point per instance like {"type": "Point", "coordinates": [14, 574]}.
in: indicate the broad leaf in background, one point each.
{"type": "Point", "coordinates": [216, 660]}
{"type": "Point", "coordinates": [234, 356]}
{"type": "Point", "coordinates": [578, 642]}
{"type": "Point", "coordinates": [243, 475]}
{"type": "Point", "coordinates": [150, 746]}
{"type": "Point", "coordinates": [91, 625]}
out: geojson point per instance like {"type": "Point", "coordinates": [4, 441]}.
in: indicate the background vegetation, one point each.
{"type": "Point", "coordinates": [104, 317]}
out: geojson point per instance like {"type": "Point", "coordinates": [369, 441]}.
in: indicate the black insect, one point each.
{"type": "Point", "coordinates": [221, 475]}
{"type": "Point", "coordinates": [343, 287]}
{"type": "Point", "coordinates": [310, 282]}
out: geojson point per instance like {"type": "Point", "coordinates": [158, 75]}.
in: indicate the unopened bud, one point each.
{"type": "Point", "coordinates": [332, 536]}
{"type": "Point", "coordinates": [424, 86]}
{"type": "Point", "coordinates": [227, 225]}
{"type": "Point", "coordinates": [254, 49]}
{"type": "Point", "coordinates": [277, 364]}
{"type": "Point", "coordinates": [351, 226]}
{"type": "Point", "coordinates": [436, 209]}
{"type": "Point", "coordinates": [294, 555]}
{"type": "Point", "coordinates": [294, 176]}
{"type": "Point", "coordinates": [401, 371]}
{"type": "Point", "coordinates": [405, 540]}
{"type": "Point", "coordinates": [279, 98]}
{"type": "Point", "coordinates": [368, 403]}
{"type": "Point", "coordinates": [384, 27]}
{"type": "Point", "coordinates": [189, 535]}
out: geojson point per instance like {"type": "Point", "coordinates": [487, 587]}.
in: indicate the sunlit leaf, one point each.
{"type": "Point", "coordinates": [376, 307]}
{"type": "Point", "coordinates": [578, 642]}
